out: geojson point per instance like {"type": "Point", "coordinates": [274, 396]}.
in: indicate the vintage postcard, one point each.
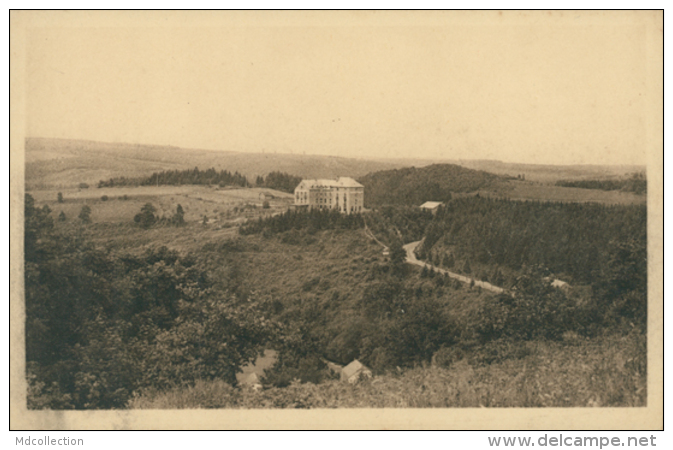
{"type": "Point", "coordinates": [336, 220]}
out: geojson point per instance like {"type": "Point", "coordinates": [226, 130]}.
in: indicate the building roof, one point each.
{"type": "Point", "coordinates": [347, 182]}
{"type": "Point", "coordinates": [430, 205]}
{"type": "Point", "coordinates": [253, 378]}
{"type": "Point", "coordinates": [328, 182]}
{"type": "Point", "coordinates": [353, 368]}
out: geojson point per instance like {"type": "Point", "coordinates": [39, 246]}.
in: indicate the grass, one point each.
{"type": "Point", "coordinates": [606, 372]}
{"type": "Point", "coordinates": [526, 190]}
{"type": "Point", "coordinates": [123, 204]}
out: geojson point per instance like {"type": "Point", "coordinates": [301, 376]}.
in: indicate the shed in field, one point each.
{"type": "Point", "coordinates": [253, 381]}
{"type": "Point", "coordinates": [355, 371]}
{"type": "Point", "coordinates": [560, 284]}
{"type": "Point", "coordinates": [431, 206]}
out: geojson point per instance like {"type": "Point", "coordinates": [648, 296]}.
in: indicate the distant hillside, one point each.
{"type": "Point", "coordinates": [66, 163]}
{"type": "Point", "coordinates": [551, 173]}
{"type": "Point", "coordinates": [546, 173]}
{"type": "Point", "coordinates": [413, 186]}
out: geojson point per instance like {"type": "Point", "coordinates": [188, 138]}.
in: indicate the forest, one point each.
{"type": "Point", "coordinates": [210, 176]}
{"type": "Point", "coordinates": [101, 326]}
{"type": "Point", "coordinates": [280, 181]}
{"type": "Point", "coordinates": [574, 241]}
{"type": "Point", "coordinates": [636, 183]}
{"type": "Point", "coordinates": [113, 328]}
{"type": "Point", "coordinates": [312, 220]}
{"type": "Point", "coordinates": [274, 180]}
{"type": "Point", "coordinates": [413, 186]}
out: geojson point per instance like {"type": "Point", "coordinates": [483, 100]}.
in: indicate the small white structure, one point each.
{"type": "Point", "coordinates": [560, 284]}
{"type": "Point", "coordinates": [253, 381]}
{"type": "Point", "coordinates": [431, 206]}
{"type": "Point", "coordinates": [355, 371]}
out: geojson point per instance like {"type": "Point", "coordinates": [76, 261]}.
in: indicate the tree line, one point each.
{"type": "Point", "coordinates": [274, 180]}
{"type": "Point", "coordinates": [636, 183]}
{"type": "Point", "coordinates": [210, 176]}
{"type": "Point", "coordinates": [573, 240]}
{"type": "Point", "coordinates": [311, 220]}
{"type": "Point", "coordinates": [280, 181]}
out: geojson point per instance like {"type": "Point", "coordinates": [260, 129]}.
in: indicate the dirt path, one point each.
{"type": "Point", "coordinates": [411, 259]}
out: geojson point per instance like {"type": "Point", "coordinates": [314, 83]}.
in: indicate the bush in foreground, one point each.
{"type": "Point", "coordinates": [606, 372]}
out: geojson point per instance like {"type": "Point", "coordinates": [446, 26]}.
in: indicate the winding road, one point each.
{"type": "Point", "coordinates": [411, 259]}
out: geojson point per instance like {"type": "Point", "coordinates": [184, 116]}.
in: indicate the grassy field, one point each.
{"type": "Point", "coordinates": [527, 190]}
{"type": "Point", "coordinates": [124, 203]}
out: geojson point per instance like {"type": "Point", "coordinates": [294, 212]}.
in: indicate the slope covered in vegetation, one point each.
{"type": "Point", "coordinates": [110, 327]}
{"type": "Point", "coordinates": [609, 371]}
{"type": "Point", "coordinates": [636, 183]}
{"type": "Point", "coordinates": [413, 186]}
{"type": "Point", "coordinates": [181, 177]}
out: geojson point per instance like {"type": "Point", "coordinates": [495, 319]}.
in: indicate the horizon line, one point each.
{"type": "Point", "coordinates": [386, 158]}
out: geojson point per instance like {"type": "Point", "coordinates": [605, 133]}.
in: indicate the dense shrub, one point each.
{"type": "Point", "coordinates": [279, 180]}
{"type": "Point", "coordinates": [311, 221]}
{"type": "Point", "coordinates": [100, 326]}
{"type": "Point", "coordinates": [181, 177]}
{"type": "Point", "coordinates": [637, 184]}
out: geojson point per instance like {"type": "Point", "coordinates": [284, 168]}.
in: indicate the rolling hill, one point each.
{"type": "Point", "coordinates": [413, 186]}
{"type": "Point", "coordinates": [65, 163]}
{"type": "Point", "coordinates": [60, 163]}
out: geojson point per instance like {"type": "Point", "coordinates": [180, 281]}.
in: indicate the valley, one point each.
{"type": "Point", "coordinates": [187, 293]}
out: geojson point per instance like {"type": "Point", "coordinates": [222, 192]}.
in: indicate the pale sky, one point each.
{"type": "Point", "coordinates": [539, 90]}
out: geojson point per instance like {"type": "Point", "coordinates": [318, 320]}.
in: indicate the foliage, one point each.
{"type": "Point", "coordinates": [280, 181]}
{"type": "Point", "coordinates": [179, 216]}
{"type": "Point", "coordinates": [412, 186]}
{"type": "Point", "coordinates": [397, 254]}
{"type": "Point", "coordinates": [59, 197]}
{"type": "Point", "coordinates": [571, 240]}
{"type": "Point", "coordinates": [101, 326]}
{"type": "Point", "coordinates": [85, 214]}
{"type": "Point", "coordinates": [608, 372]}
{"type": "Point", "coordinates": [637, 184]}
{"type": "Point", "coordinates": [181, 177]}
{"type": "Point", "coordinates": [311, 220]}
{"type": "Point", "coordinates": [407, 223]}
{"type": "Point", "coordinates": [536, 310]}
{"type": "Point", "coordinates": [145, 218]}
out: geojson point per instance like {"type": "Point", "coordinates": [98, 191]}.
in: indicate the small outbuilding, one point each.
{"type": "Point", "coordinates": [431, 206]}
{"type": "Point", "coordinates": [253, 381]}
{"type": "Point", "coordinates": [560, 284]}
{"type": "Point", "coordinates": [355, 371]}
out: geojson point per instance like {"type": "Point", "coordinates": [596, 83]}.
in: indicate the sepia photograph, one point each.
{"type": "Point", "coordinates": [336, 219]}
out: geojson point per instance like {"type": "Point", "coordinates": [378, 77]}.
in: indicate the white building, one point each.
{"type": "Point", "coordinates": [355, 371]}
{"type": "Point", "coordinates": [431, 206]}
{"type": "Point", "coordinates": [343, 194]}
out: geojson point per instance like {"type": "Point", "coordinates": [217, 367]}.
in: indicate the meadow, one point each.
{"type": "Point", "coordinates": [120, 204]}
{"type": "Point", "coordinates": [528, 190]}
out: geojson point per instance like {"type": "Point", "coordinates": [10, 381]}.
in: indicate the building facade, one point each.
{"type": "Point", "coordinates": [343, 194]}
